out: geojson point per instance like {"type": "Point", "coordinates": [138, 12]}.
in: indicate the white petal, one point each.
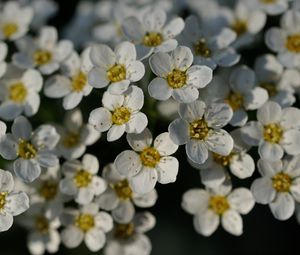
{"type": "Point", "coordinates": [27, 170]}
{"type": "Point", "coordinates": [242, 79]}
{"type": "Point", "coordinates": [232, 222]}
{"type": "Point", "coordinates": [6, 181]}
{"type": "Point", "coordinates": [140, 141]}
{"type": "Point", "coordinates": [104, 221]}
{"type": "Point", "coordinates": [97, 77]}
{"type": "Point", "coordinates": [72, 100]}
{"type": "Point", "coordinates": [6, 221]}
{"type": "Point", "coordinates": [219, 141]}
{"type": "Point", "coordinates": [295, 189]}
{"type": "Point", "coordinates": [17, 203]}
{"type": "Point", "coordinates": [124, 212]}
{"type": "Point", "coordinates": [218, 115]}
{"type": "Point", "coordinates": [125, 53]}
{"type": "Point", "coordinates": [159, 89]}
{"type": "Point", "coordinates": [167, 170]}
{"type": "Point", "coordinates": [161, 64]}
{"type": "Point", "coordinates": [57, 86]}
{"type": "Point", "coordinates": [270, 112]}
{"type": "Point", "coordinates": [111, 102]}
{"type": "Point", "coordinates": [144, 181]}
{"type": "Point", "coordinates": [199, 76]}
{"type": "Point", "coordinates": [134, 98]}
{"type": "Point", "coordinates": [242, 166]}
{"type": "Point", "coordinates": [290, 118]}
{"type": "Point", "coordinates": [263, 191]}
{"type": "Point", "coordinates": [102, 56]}
{"type": "Point", "coordinates": [100, 119]}
{"type": "Point", "coordinates": [283, 206]}
{"type": "Point", "coordinates": [182, 58]}
{"type": "Point", "coordinates": [255, 98]}
{"type": "Point", "coordinates": [206, 222]}
{"type": "Point", "coordinates": [291, 142]}
{"type": "Point", "coordinates": [241, 200]}
{"type": "Point", "coordinates": [67, 186]}
{"type": "Point", "coordinates": [186, 94]}
{"type": "Point", "coordinates": [164, 144]}
{"type": "Point", "coordinates": [179, 131]}
{"type": "Point", "coordinates": [173, 28]}
{"type": "Point", "coordinates": [108, 200]}
{"type": "Point", "coordinates": [71, 237]}
{"type": "Point", "coordinates": [195, 200]}
{"type": "Point", "coordinates": [146, 200]}
{"type": "Point", "coordinates": [8, 147]}
{"type": "Point", "coordinates": [252, 133]}
{"type": "Point", "coordinates": [115, 132]}
{"type": "Point", "coordinates": [211, 177]}
{"type": "Point", "coordinates": [137, 123]}
{"type": "Point", "coordinates": [192, 111]}
{"type": "Point", "coordinates": [270, 151]}
{"type": "Point", "coordinates": [118, 88]}
{"type": "Point", "coordinates": [275, 39]}
{"type": "Point", "coordinates": [128, 163]}
{"type": "Point", "coordinates": [22, 128]}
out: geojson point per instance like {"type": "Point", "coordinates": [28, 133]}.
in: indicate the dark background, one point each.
{"type": "Point", "coordinates": [174, 233]}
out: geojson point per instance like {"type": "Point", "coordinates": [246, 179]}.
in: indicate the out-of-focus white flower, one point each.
{"type": "Point", "coordinates": [148, 163]}
{"type": "Point", "coordinates": [168, 108]}
{"type": "Point", "coordinates": [14, 20]}
{"type": "Point", "coordinates": [81, 180]}
{"type": "Point", "coordinates": [87, 224]}
{"type": "Point", "coordinates": [200, 129]}
{"type": "Point", "coordinates": [20, 93]}
{"type": "Point", "coordinates": [12, 203]}
{"type": "Point", "coordinates": [115, 69]}
{"type": "Point", "coordinates": [73, 85]}
{"type": "Point", "coordinates": [275, 132]}
{"type": "Point", "coordinates": [75, 135]}
{"type": "Point", "coordinates": [120, 113]}
{"type": "Point", "coordinates": [271, 7]}
{"type": "Point", "coordinates": [31, 150]}
{"type": "Point", "coordinates": [216, 205]}
{"type": "Point", "coordinates": [2, 128]}
{"type": "Point", "coordinates": [44, 52]}
{"type": "Point", "coordinates": [119, 197]}
{"type": "Point", "coordinates": [3, 54]}
{"type": "Point", "coordinates": [279, 186]}
{"type": "Point", "coordinates": [150, 32]}
{"type": "Point", "coordinates": [129, 239]}
{"type": "Point", "coordinates": [177, 77]}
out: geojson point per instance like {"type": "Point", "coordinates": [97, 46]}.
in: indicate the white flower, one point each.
{"type": "Point", "coordinates": [20, 93]}
{"type": "Point", "coordinates": [200, 129]}
{"type": "Point", "coordinates": [81, 180]}
{"type": "Point", "coordinates": [12, 203]}
{"type": "Point", "coordinates": [3, 54]}
{"type": "Point", "coordinates": [115, 69]}
{"type": "Point", "coordinates": [177, 77]}
{"type": "Point", "coordinates": [73, 85]}
{"type": "Point", "coordinates": [119, 197]}
{"type": "Point", "coordinates": [218, 204]}
{"type": "Point", "coordinates": [148, 163]}
{"type": "Point", "coordinates": [275, 132]}
{"type": "Point", "coordinates": [30, 149]}
{"type": "Point", "coordinates": [14, 20]}
{"type": "Point", "coordinates": [44, 52]}
{"type": "Point", "coordinates": [87, 224]}
{"type": "Point", "coordinates": [129, 239]}
{"type": "Point", "coordinates": [211, 48]}
{"type": "Point", "coordinates": [120, 113]}
{"type": "Point", "coordinates": [279, 186]}
{"type": "Point", "coordinates": [285, 40]}
{"type": "Point", "coordinates": [75, 135]}
{"type": "Point", "coordinates": [272, 7]}
{"type": "Point", "coordinates": [151, 33]}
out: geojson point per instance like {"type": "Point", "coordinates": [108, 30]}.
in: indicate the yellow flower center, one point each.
{"type": "Point", "coordinates": [26, 150]}
{"type": "Point", "coordinates": [17, 92]}
{"type": "Point", "coordinates": [8, 29]}
{"type": "Point", "coordinates": [2, 200]}
{"type": "Point", "coordinates": [48, 189]}
{"type": "Point", "coordinates": [85, 222]}
{"type": "Point", "coordinates": [78, 82]}
{"type": "Point", "coordinates": [116, 73]}
{"type": "Point", "coordinates": [282, 182]}
{"type": "Point", "coordinates": [176, 79]}
{"type": "Point", "coordinates": [121, 115]}
{"type": "Point", "coordinates": [273, 133]}
{"type": "Point", "coordinates": [152, 39]}
{"type": "Point", "coordinates": [268, 1]}
{"type": "Point", "coordinates": [270, 88]}
{"type": "Point", "coordinates": [235, 100]}
{"type": "Point", "coordinates": [219, 204]}
{"type": "Point", "coordinates": [42, 225]}
{"type": "Point", "coordinates": [124, 231]}
{"type": "Point", "coordinates": [223, 160]}
{"type": "Point", "coordinates": [71, 140]}
{"type": "Point", "coordinates": [293, 43]}
{"type": "Point", "coordinates": [123, 190]}
{"type": "Point", "coordinates": [150, 157]}
{"type": "Point", "coordinates": [199, 129]}
{"type": "Point", "coordinates": [42, 57]}
{"type": "Point", "coordinates": [201, 48]}
{"type": "Point", "coordinates": [82, 178]}
{"type": "Point", "coordinates": [240, 27]}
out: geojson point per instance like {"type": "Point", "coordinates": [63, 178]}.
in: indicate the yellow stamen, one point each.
{"type": "Point", "coordinates": [116, 73]}
{"type": "Point", "coordinates": [282, 182]}
{"type": "Point", "coordinates": [219, 204]}
{"type": "Point", "coordinates": [82, 178]}
{"type": "Point", "coordinates": [42, 57]}
{"type": "Point", "coordinates": [199, 129]}
{"type": "Point", "coordinates": [85, 222]}
{"type": "Point", "coordinates": [17, 92]}
{"type": "Point", "coordinates": [273, 133]}
{"type": "Point", "coordinates": [176, 79]}
{"type": "Point", "coordinates": [123, 190]}
{"type": "Point", "coordinates": [26, 150]}
{"type": "Point", "coordinates": [121, 115]}
{"type": "Point", "coordinates": [150, 157]}
{"type": "Point", "coordinates": [152, 39]}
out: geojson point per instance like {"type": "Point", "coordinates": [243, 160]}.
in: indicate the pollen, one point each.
{"type": "Point", "coordinates": [48, 189]}
{"type": "Point", "coordinates": [176, 79]}
{"type": "Point", "coordinates": [201, 48]}
{"type": "Point", "coordinates": [9, 29]}
{"type": "Point", "coordinates": [150, 157]}
{"type": "Point", "coordinates": [123, 190]}
{"type": "Point", "coordinates": [82, 178]}
{"type": "Point", "coordinates": [199, 129]}
{"type": "Point", "coordinates": [152, 39]}
{"type": "Point", "coordinates": [26, 150]}
{"type": "Point", "coordinates": [79, 81]}
{"type": "Point", "coordinates": [293, 43]}
{"type": "Point", "coordinates": [121, 115]}
{"type": "Point", "coordinates": [17, 92]}
{"type": "Point", "coordinates": [124, 231]}
{"type": "Point", "coordinates": [270, 88]}
{"type": "Point", "coordinates": [235, 100]}
{"type": "Point", "coordinates": [268, 1]}
{"type": "Point", "coordinates": [71, 140]}
{"type": "Point", "coordinates": [42, 57]}
{"type": "Point", "coordinates": [282, 182]}
{"type": "Point", "coordinates": [223, 160]}
{"type": "Point", "coordinates": [219, 204]}
{"type": "Point", "coordinates": [116, 73]}
{"type": "Point", "coordinates": [85, 222]}
{"type": "Point", "coordinates": [240, 27]}
{"type": "Point", "coordinates": [273, 133]}
{"type": "Point", "coordinates": [2, 200]}
{"type": "Point", "coordinates": [42, 225]}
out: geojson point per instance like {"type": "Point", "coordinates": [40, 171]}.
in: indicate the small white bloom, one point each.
{"type": "Point", "coordinates": [81, 180]}
{"type": "Point", "coordinates": [177, 77]}
{"type": "Point", "coordinates": [31, 150]}
{"type": "Point", "coordinates": [12, 203]}
{"type": "Point", "coordinates": [275, 132]}
{"type": "Point", "coordinates": [115, 69]}
{"type": "Point", "coordinates": [213, 206]}
{"type": "Point", "coordinates": [148, 163]}
{"type": "Point", "coordinates": [120, 113]}
{"type": "Point", "coordinates": [87, 224]}
{"type": "Point", "coordinates": [200, 129]}
{"type": "Point", "coordinates": [279, 186]}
